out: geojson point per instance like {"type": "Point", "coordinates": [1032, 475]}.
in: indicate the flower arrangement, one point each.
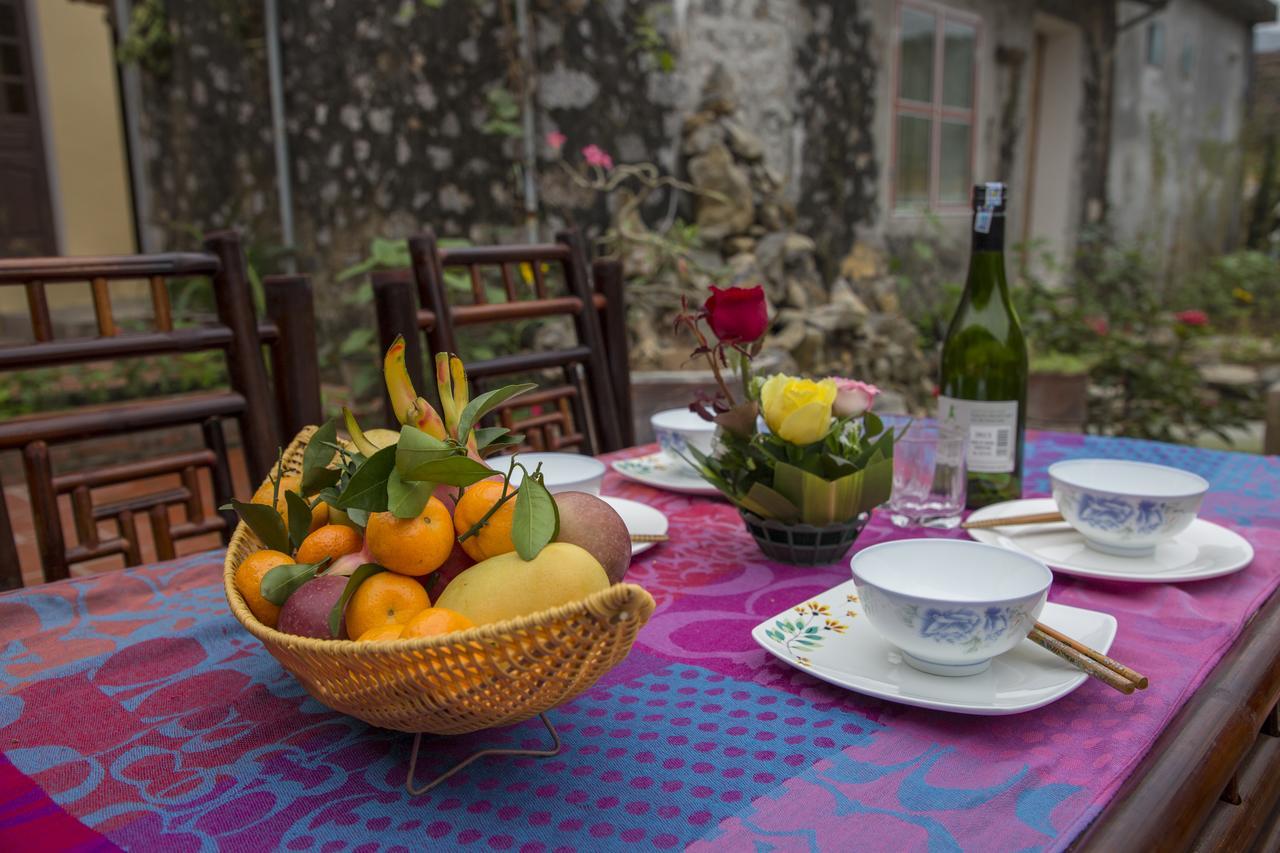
{"type": "Point", "coordinates": [795, 451]}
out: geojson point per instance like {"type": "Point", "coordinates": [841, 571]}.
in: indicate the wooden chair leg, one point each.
{"type": "Point", "coordinates": [608, 280]}
{"type": "Point", "coordinates": [161, 534]}
{"type": "Point", "coordinates": [44, 509]}
{"type": "Point", "coordinates": [220, 473]}
{"type": "Point", "coordinates": [296, 369]}
{"type": "Point", "coordinates": [588, 327]}
{"type": "Point", "coordinates": [10, 566]}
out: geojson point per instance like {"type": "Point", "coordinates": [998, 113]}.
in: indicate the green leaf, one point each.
{"type": "Point", "coordinates": [265, 522]}
{"type": "Point", "coordinates": [415, 448]}
{"type": "Point", "coordinates": [322, 479]}
{"type": "Point", "coordinates": [299, 517]}
{"type": "Point", "coordinates": [359, 516]}
{"type": "Point", "coordinates": [367, 489]}
{"type": "Point", "coordinates": [453, 471]}
{"type": "Point", "coordinates": [317, 456]}
{"type": "Point", "coordinates": [406, 499]}
{"type": "Point", "coordinates": [535, 520]}
{"type": "Point", "coordinates": [488, 435]}
{"type": "Point", "coordinates": [486, 403]}
{"type": "Point", "coordinates": [359, 576]}
{"type": "Point", "coordinates": [282, 581]}
{"type": "Point", "coordinates": [767, 503]}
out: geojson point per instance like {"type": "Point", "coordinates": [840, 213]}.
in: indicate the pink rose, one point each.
{"type": "Point", "coordinates": [1099, 325]}
{"type": "Point", "coordinates": [853, 398]}
{"type": "Point", "coordinates": [1192, 318]}
{"type": "Point", "coordinates": [597, 156]}
{"type": "Point", "coordinates": [556, 140]}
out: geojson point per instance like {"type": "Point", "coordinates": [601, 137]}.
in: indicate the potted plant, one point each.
{"type": "Point", "coordinates": [804, 461]}
{"type": "Point", "coordinates": [1058, 392]}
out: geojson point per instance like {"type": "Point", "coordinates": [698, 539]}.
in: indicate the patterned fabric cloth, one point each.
{"type": "Point", "coordinates": [136, 712]}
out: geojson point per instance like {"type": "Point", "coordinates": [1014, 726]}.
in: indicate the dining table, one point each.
{"type": "Point", "coordinates": [137, 713]}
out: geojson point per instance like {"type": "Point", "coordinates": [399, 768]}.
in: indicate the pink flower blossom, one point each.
{"type": "Point", "coordinates": [1193, 317]}
{"type": "Point", "coordinates": [597, 156]}
{"type": "Point", "coordinates": [1099, 325]}
{"type": "Point", "coordinates": [853, 398]}
{"type": "Point", "coordinates": [556, 140]}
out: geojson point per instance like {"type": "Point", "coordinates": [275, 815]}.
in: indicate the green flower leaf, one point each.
{"type": "Point", "coordinates": [317, 456]}
{"type": "Point", "coordinates": [415, 449]}
{"type": "Point", "coordinates": [406, 499]}
{"type": "Point", "coordinates": [299, 517]}
{"type": "Point", "coordinates": [367, 489]}
{"type": "Point", "coordinates": [536, 519]}
{"type": "Point", "coordinates": [359, 576]}
{"type": "Point", "coordinates": [486, 403]}
{"type": "Point", "coordinates": [283, 581]}
{"type": "Point", "coordinates": [359, 516]}
{"type": "Point", "coordinates": [265, 522]}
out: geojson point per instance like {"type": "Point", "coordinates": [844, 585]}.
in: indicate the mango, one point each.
{"type": "Point", "coordinates": [505, 586]}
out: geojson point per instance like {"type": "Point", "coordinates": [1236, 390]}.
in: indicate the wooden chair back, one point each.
{"type": "Point", "coordinates": [583, 412]}
{"type": "Point", "coordinates": [236, 332]}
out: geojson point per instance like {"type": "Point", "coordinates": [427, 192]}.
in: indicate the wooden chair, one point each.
{"type": "Point", "coordinates": [236, 332]}
{"type": "Point", "coordinates": [586, 412]}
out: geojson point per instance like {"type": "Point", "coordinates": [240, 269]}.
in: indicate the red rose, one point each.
{"type": "Point", "coordinates": [737, 314]}
{"type": "Point", "coordinates": [1099, 325]}
{"type": "Point", "coordinates": [1192, 317]}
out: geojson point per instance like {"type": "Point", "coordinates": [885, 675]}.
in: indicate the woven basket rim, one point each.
{"type": "Point", "coordinates": [605, 602]}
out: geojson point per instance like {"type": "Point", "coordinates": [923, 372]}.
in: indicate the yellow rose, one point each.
{"type": "Point", "coordinates": [797, 410]}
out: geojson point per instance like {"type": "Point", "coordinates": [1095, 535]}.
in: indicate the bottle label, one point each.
{"type": "Point", "coordinates": [992, 429]}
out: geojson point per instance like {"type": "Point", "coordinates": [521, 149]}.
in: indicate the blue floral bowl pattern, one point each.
{"type": "Point", "coordinates": [948, 607]}
{"type": "Point", "coordinates": [1126, 508]}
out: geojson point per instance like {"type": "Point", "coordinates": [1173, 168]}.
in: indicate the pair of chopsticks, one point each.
{"type": "Point", "coordinates": [649, 537]}
{"type": "Point", "coordinates": [1092, 662]}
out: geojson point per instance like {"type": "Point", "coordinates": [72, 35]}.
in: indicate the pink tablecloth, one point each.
{"type": "Point", "coordinates": [135, 711]}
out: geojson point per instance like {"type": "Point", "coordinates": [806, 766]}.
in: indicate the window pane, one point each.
{"type": "Point", "coordinates": [1155, 43]}
{"type": "Point", "coordinates": [915, 74]}
{"type": "Point", "coordinates": [957, 64]}
{"type": "Point", "coordinates": [913, 161]}
{"type": "Point", "coordinates": [953, 166]}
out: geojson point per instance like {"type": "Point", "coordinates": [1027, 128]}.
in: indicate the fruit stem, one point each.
{"type": "Point", "coordinates": [506, 496]}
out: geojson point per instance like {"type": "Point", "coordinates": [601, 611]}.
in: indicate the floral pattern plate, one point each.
{"type": "Point", "coordinates": [1203, 550]}
{"type": "Point", "coordinates": [829, 638]}
{"type": "Point", "coordinates": [662, 472]}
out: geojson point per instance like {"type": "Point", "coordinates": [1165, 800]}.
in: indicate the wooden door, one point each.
{"type": "Point", "coordinates": [26, 216]}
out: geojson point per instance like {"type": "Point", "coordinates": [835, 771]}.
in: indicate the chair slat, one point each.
{"type": "Point", "coordinates": [508, 283]}
{"type": "Point", "coordinates": [82, 513]}
{"type": "Point", "coordinates": [501, 312]}
{"type": "Point", "coordinates": [38, 304]}
{"type": "Point", "coordinates": [477, 286]}
{"type": "Point", "coordinates": [539, 281]}
{"type": "Point", "coordinates": [102, 308]}
{"type": "Point", "coordinates": [160, 305]}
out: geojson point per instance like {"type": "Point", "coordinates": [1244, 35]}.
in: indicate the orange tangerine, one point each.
{"type": "Point", "coordinates": [248, 580]}
{"type": "Point", "coordinates": [494, 537]}
{"type": "Point", "coordinates": [411, 546]}
{"type": "Point", "coordinates": [332, 540]}
{"type": "Point", "coordinates": [385, 599]}
{"type": "Point", "coordinates": [435, 621]}
{"type": "Point", "coordinates": [381, 633]}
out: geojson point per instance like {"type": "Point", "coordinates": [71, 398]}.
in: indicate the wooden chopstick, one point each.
{"type": "Point", "coordinates": [1039, 518]}
{"type": "Point", "coordinates": [1092, 663]}
{"type": "Point", "coordinates": [649, 537]}
{"type": "Point", "coordinates": [1139, 680]}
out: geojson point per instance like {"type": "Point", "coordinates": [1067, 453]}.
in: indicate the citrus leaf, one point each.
{"type": "Point", "coordinates": [486, 403]}
{"type": "Point", "coordinates": [367, 489]}
{"type": "Point", "coordinates": [488, 435]}
{"type": "Point", "coordinates": [359, 576]}
{"type": "Point", "coordinates": [460, 471]}
{"type": "Point", "coordinates": [415, 448]}
{"type": "Point", "coordinates": [406, 499]}
{"type": "Point", "coordinates": [359, 516]}
{"type": "Point", "coordinates": [283, 581]}
{"type": "Point", "coordinates": [299, 517]}
{"type": "Point", "coordinates": [535, 520]}
{"type": "Point", "coordinates": [265, 522]}
{"type": "Point", "coordinates": [317, 456]}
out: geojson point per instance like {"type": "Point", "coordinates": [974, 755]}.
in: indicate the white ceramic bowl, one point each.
{"type": "Point", "coordinates": [678, 429]}
{"type": "Point", "coordinates": [561, 472]}
{"type": "Point", "coordinates": [950, 605]}
{"type": "Point", "coordinates": [1126, 508]}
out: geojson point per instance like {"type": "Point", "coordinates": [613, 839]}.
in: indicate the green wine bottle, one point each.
{"type": "Point", "coordinates": [983, 389]}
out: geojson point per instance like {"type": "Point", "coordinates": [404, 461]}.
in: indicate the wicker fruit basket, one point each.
{"type": "Point", "coordinates": [489, 676]}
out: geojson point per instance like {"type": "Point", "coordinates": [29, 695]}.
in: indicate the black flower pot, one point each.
{"type": "Point", "coordinates": [804, 544]}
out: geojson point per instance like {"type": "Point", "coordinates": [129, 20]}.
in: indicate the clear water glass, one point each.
{"type": "Point", "coordinates": [928, 477]}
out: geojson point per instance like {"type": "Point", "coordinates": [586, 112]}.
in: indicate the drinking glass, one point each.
{"type": "Point", "coordinates": [928, 477]}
